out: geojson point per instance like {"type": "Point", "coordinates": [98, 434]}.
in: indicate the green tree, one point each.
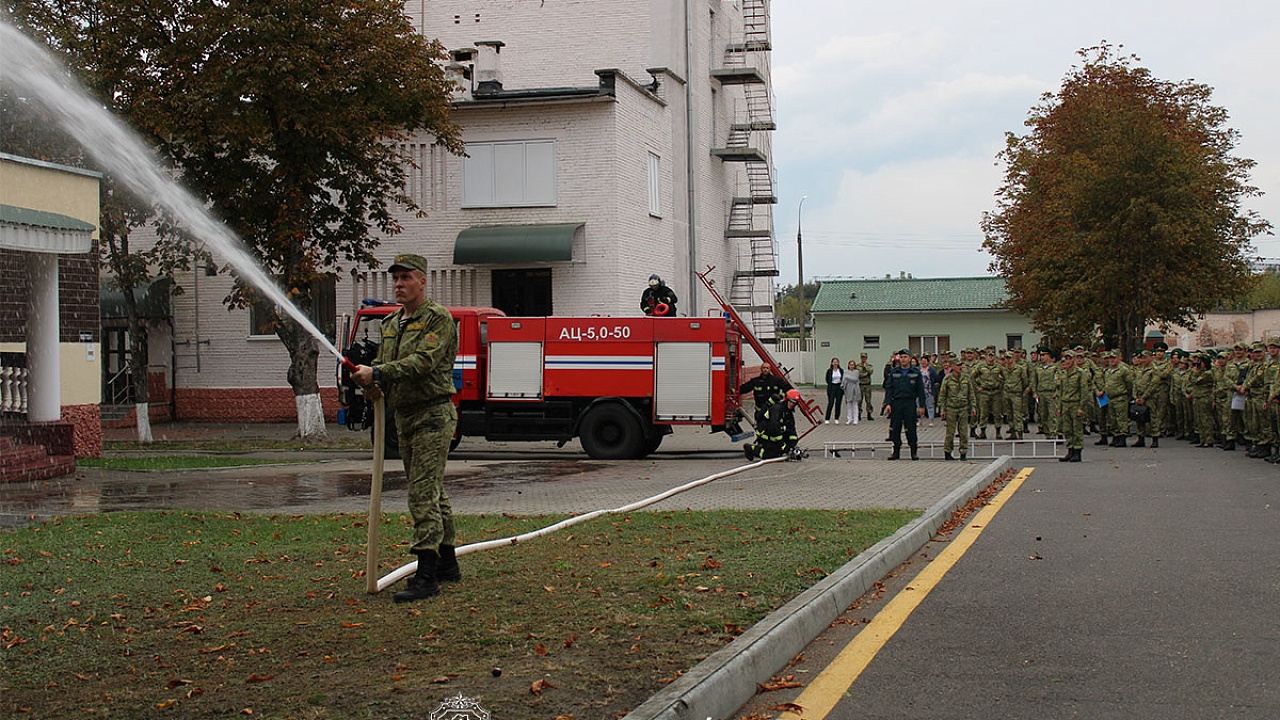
{"type": "Point", "coordinates": [1122, 205]}
{"type": "Point", "coordinates": [786, 305]}
{"type": "Point", "coordinates": [284, 114]}
{"type": "Point", "coordinates": [1264, 294]}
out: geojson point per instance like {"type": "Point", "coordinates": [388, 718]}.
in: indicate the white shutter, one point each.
{"type": "Point", "coordinates": [515, 370]}
{"type": "Point", "coordinates": [682, 381]}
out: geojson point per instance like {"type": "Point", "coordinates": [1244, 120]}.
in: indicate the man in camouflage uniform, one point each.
{"type": "Point", "coordinates": [1117, 384]}
{"type": "Point", "coordinates": [1224, 390]}
{"type": "Point", "coordinates": [1256, 389]}
{"type": "Point", "coordinates": [1028, 381]}
{"type": "Point", "coordinates": [1269, 414]}
{"type": "Point", "coordinates": [988, 381]}
{"type": "Point", "coordinates": [1074, 394]}
{"type": "Point", "coordinates": [1158, 397]}
{"type": "Point", "coordinates": [1014, 392]}
{"type": "Point", "coordinates": [1181, 400]}
{"type": "Point", "coordinates": [955, 404]}
{"type": "Point", "coordinates": [865, 374]}
{"type": "Point", "coordinates": [1143, 382]}
{"type": "Point", "coordinates": [1235, 371]}
{"type": "Point", "coordinates": [1046, 394]}
{"type": "Point", "coordinates": [414, 368]}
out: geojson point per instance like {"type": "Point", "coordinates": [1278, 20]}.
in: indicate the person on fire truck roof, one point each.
{"type": "Point", "coordinates": [658, 299]}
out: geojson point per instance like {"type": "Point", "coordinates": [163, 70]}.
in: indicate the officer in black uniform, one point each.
{"type": "Point", "coordinates": [904, 396]}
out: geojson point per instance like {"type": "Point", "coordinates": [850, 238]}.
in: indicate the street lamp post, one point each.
{"type": "Point", "coordinates": [800, 270]}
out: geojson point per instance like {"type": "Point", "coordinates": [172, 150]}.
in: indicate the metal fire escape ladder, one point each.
{"type": "Point", "coordinates": [750, 221]}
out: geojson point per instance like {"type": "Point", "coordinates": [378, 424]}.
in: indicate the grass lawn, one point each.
{"type": "Point", "coordinates": [173, 614]}
{"type": "Point", "coordinates": [177, 462]}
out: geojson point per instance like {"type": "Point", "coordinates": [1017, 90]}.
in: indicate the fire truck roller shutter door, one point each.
{"type": "Point", "coordinates": [682, 381]}
{"type": "Point", "coordinates": [612, 430]}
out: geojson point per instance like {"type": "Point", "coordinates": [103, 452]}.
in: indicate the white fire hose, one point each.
{"type": "Point", "coordinates": [375, 512]}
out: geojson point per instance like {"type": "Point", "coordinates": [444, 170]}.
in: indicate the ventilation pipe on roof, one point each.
{"type": "Point", "coordinates": [489, 67]}
{"type": "Point", "coordinates": [461, 69]}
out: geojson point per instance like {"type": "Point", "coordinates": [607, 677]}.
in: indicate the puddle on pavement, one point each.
{"type": "Point", "coordinates": [20, 503]}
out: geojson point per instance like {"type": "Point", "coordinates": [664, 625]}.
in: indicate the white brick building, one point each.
{"type": "Point", "coordinates": [603, 148]}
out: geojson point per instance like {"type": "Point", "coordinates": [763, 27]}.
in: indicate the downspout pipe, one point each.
{"type": "Point", "coordinates": [691, 165]}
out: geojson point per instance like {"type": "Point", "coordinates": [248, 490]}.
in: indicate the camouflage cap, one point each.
{"type": "Point", "coordinates": [1273, 342]}
{"type": "Point", "coordinates": [409, 261]}
{"type": "Point", "coordinates": [1257, 347]}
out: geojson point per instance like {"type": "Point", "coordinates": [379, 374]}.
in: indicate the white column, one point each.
{"type": "Point", "coordinates": [44, 366]}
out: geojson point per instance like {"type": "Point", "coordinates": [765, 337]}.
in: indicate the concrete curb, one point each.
{"type": "Point", "coordinates": [726, 680]}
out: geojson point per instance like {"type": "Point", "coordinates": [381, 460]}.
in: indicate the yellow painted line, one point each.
{"type": "Point", "coordinates": [822, 694]}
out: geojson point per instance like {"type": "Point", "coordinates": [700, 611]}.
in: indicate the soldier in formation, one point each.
{"type": "Point", "coordinates": [956, 406]}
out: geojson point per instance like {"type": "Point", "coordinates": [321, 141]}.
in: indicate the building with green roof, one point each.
{"type": "Point", "coordinates": [881, 316]}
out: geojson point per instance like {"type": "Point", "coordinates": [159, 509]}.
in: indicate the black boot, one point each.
{"type": "Point", "coordinates": [897, 453]}
{"type": "Point", "coordinates": [1141, 441]}
{"type": "Point", "coordinates": [1120, 441]}
{"type": "Point", "coordinates": [962, 456]}
{"type": "Point", "coordinates": [1155, 441]}
{"type": "Point", "coordinates": [983, 434]}
{"type": "Point", "coordinates": [447, 569]}
{"type": "Point", "coordinates": [1067, 457]}
{"type": "Point", "coordinates": [1103, 440]}
{"type": "Point", "coordinates": [1229, 445]}
{"type": "Point", "coordinates": [946, 455]}
{"type": "Point", "coordinates": [1075, 455]}
{"type": "Point", "coordinates": [998, 437]}
{"type": "Point", "coordinates": [423, 583]}
{"type": "Point", "coordinates": [915, 455]}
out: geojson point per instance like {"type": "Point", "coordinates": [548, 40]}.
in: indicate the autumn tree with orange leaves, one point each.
{"type": "Point", "coordinates": [1122, 206]}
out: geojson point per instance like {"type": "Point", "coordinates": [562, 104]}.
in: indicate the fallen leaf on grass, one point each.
{"type": "Point", "coordinates": [443, 678]}
{"type": "Point", "coordinates": [352, 624]}
{"type": "Point", "coordinates": [256, 678]}
{"type": "Point", "coordinates": [539, 685]}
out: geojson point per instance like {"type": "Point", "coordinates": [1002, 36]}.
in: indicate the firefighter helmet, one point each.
{"type": "Point", "coordinates": [793, 395]}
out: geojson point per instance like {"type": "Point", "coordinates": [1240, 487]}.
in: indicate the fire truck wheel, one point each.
{"type": "Point", "coordinates": [651, 444]}
{"type": "Point", "coordinates": [611, 432]}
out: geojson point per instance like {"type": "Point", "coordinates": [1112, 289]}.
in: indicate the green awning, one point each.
{"type": "Point", "coordinates": [489, 244]}
{"type": "Point", "coordinates": [45, 232]}
{"type": "Point", "coordinates": [153, 300]}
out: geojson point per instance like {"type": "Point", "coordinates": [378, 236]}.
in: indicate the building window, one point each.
{"type": "Point", "coordinates": [871, 341]}
{"type": "Point", "coordinates": [928, 344]}
{"type": "Point", "coordinates": [324, 308]}
{"type": "Point", "coordinates": [655, 185]}
{"type": "Point", "coordinates": [520, 173]}
{"type": "Point", "coordinates": [1012, 342]}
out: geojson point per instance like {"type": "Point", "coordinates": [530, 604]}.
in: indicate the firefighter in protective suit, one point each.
{"type": "Point", "coordinates": [766, 389]}
{"type": "Point", "coordinates": [658, 299]}
{"type": "Point", "coordinates": [776, 434]}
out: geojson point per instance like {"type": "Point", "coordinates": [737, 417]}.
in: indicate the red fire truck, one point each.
{"type": "Point", "coordinates": [618, 384]}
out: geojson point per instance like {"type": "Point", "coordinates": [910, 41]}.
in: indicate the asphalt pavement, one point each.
{"type": "Point", "coordinates": [1137, 584]}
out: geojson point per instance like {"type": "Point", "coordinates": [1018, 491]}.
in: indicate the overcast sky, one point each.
{"type": "Point", "coordinates": [890, 115]}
